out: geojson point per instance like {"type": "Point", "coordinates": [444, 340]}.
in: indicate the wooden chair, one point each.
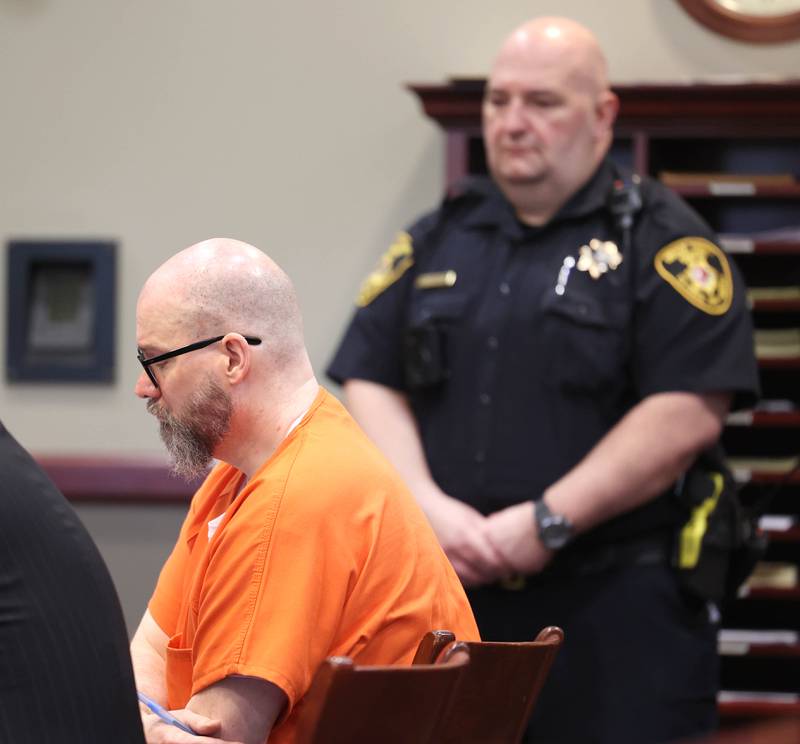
{"type": "Point", "coordinates": [498, 690]}
{"type": "Point", "coordinates": [432, 645]}
{"type": "Point", "coordinates": [350, 704]}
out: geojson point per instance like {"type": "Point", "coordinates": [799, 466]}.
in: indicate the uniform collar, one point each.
{"type": "Point", "coordinates": [494, 210]}
{"type": "Point", "coordinates": [592, 196]}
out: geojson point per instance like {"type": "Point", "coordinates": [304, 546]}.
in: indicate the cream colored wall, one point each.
{"type": "Point", "coordinates": [135, 541]}
{"type": "Point", "coordinates": [281, 123]}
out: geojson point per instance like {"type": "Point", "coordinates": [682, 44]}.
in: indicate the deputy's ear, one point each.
{"type": "Point", "coordinates": [606, 109]}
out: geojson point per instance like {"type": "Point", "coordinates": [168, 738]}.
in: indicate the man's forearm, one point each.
{"type": "Point", "coordinates": [150, 678]}
{"type": "Point", "coordinates": [148, 648]}
{"type": "Point", "coordinates": [246, 707]}
{"type": "Point", "coordinates": [639, 458]}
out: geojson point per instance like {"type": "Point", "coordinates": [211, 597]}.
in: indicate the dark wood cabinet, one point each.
{"type": "Point", "coordinates": [733, 152]}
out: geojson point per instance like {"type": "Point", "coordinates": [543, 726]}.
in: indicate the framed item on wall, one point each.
{"type": "Point", "coordinates": [61, 311]}
{"type": "Point", "coordinates": [760, 21]}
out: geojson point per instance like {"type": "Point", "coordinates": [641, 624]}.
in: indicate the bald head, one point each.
{"type": "Point", "coordinates": [221, 286]}
{"type": "Point", "coordinates": [560, 43]}
{"type": "Point", "coordinates": [547, 115]}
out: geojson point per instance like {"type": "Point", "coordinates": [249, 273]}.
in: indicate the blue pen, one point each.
{"type": "Point", "coordinates": [163, 713]}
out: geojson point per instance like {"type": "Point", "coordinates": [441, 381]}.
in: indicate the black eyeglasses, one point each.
{"type": "Point", "coordinates": [252, 340]}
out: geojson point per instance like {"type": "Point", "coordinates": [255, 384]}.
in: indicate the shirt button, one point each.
{"type": "Point", "coordinates": [505, 288]}
{"type": "Point", "coordinates": [492, 342]}
{"type": "Point", "coordinates": [480, 456]}
{"type": "Point", "coordinates": [485, 398]}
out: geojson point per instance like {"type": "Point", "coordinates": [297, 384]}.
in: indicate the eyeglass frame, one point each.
{"type": "Point", "coordinates": [252, 340]}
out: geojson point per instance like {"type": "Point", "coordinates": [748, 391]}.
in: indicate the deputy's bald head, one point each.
{"type": "Point", "coordinates": [554, 42]}
{"type": "Point", "coordinates": [547, 115]}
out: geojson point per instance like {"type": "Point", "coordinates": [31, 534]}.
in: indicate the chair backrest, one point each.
{"type": "Point", "coordinates": [432, 645]}
{"type": "Point", "coordinates": [350, 704]}
{"type": "Point", "coordinates": [498, 690]}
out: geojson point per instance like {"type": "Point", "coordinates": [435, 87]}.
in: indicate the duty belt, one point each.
{"type": "Point", "coordinates": [649, 550]}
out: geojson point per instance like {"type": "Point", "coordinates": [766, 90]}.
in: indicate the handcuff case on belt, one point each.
{"type": "Point", "coordinates": [718, 545]}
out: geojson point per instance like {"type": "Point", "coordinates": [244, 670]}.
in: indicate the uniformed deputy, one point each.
{"type": "Point", "coordinates": [542, 358]}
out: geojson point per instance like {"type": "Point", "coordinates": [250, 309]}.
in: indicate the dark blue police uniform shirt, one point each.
{"type": "Point", "coordinates": [537, 378]}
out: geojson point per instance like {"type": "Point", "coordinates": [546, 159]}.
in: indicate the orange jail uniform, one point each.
{"type": "Point", "coordinates": [323, 552]}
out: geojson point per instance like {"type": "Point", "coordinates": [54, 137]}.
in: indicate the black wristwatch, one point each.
{"type": "Point", "coordinates": [555, 530]}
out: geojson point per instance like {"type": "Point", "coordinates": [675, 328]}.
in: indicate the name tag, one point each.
{"type": "Point", "coordinates": [436, 280]}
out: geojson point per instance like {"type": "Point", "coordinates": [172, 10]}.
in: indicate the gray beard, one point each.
{"type": "Point", "coordinates": [192, 437]}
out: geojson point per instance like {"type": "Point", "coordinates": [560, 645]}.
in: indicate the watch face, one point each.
{"type": "Point", "coordinates": [555, 532]}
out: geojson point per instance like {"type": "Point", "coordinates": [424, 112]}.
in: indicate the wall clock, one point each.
{"type": "Point", "coordinates": [760, 21]}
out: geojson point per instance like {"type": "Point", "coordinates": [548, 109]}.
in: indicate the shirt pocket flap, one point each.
{"type": "Point", "coordinates": [443, 305]}
{"type": "Point", "coordinates": [582, 309]}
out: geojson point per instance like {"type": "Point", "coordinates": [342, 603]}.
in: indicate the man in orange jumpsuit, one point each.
{"type": "Point", "coordinates": [302, 543]}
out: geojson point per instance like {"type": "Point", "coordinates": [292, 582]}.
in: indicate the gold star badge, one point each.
{"type": "Point", "coordinates": [599, 257]}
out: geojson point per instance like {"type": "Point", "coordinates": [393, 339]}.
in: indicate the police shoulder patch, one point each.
{"type": "Point", "coordinates": [699, 271]}
{"type": "Point", "coordinates": [393, 264]}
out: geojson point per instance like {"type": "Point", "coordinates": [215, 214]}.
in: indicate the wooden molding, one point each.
{"type": "Point", "coordinates": [670, 108]}
{"type": "Point", "coordinates": [106, 479]}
